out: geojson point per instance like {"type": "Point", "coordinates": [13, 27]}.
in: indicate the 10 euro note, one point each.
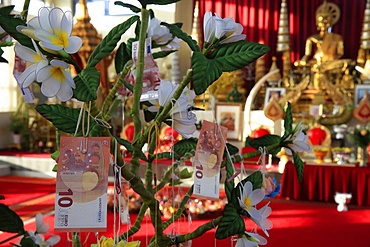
{"type": "Point", "coordinates": [82, 184]}
{"type": "Point", "coordinates": [207, 160]}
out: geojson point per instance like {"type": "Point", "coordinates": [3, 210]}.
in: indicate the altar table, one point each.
{"type": "Point", "coordinates": [321, 182]}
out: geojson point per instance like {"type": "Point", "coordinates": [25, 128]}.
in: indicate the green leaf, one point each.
{"type": "Point", "coordinates": [87, 83]}
{"type": "Point", "coordinates": [10, 221]}
{"type": "Point", "coordinates": [201, 80]}
{"type": "Point", "coordinates": [185, 145]}
{"type": "Point", "coordinates": [55, 168]}
{"type": "Point", "coordinates": [6, 43]}
{"type": "Point", "coordinates": [299, 165]}
{"type": "Point", "coordinates": [232, 149]}
{"type": "Point", "coordinates": [129, 45]}
{"type": "Point", "coordinates": [26, 241]}
{"type": "Point", "coordinates": [55, 155]}
{"type": "Point", "coordinates": [265, 141]}
{"type": "Point", "coordinates": [125, 143]}
{"type": "Point", "coordinates": [65, 118]}
{"type": "Point", "coordinates": [185, 174]}
{"type": "Point", "coordinates": [2, 197]}
{"type": "Point", "coordinates": [133, 8]}
{"type": "Point", "coordinates": [165, 155]}
{"type": "Point", "coordinates": [162, 54]}
{"type": "Point", "coordinates": [121, 58]}
{"type": "Point", "coordinates": [236, 55]}
{"type": "Point", "coordinates": [176, 31]}
{"type": "Point", "coordinates": [225, 58]}
{"type": "Point", "coordinates": [231, 223]}
{"type": "Point", "coordinates": [229, 186]}
{"type": "Point", "coordinates": [9, 24]}
{"type": "Point", "coordinates": [288, 121]}
{"type": "Point", "coordinates": [6, 10]}
{"type": "Point", "coordinates": [144, 3]}
{"type": "Point", "coordinates": [109, 42]}
{"type": "Point", "coordinates": [148, 115]}
{"type": "Point", "coordinates": [62, 117]}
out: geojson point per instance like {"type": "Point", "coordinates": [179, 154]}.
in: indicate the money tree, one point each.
{"type": "Point", "coordinates": [45, 42]}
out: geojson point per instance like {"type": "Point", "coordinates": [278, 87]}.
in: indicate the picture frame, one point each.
{"type": "Point", "coordinates": [316, 110]}
{"type": "Point", "coordinates": [229, 115]}
{"type": "Point", "coordinates": [273, 92]}
{"type": "Point", "coordinates": [360, 92]}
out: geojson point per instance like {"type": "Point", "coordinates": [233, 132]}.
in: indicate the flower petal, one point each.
{"type": "Point", "coordinates": [256, 196]}
{"type": "Point", "coordinates": [67, 22]}
{"type": "Point", "coordinates": [255, 214]}
{"type": "Point", "coordinates": [55, 18]}
{"type": "Point", "coordinates": [247, 188]}
{"type": "Point", "coordinates": [50, 87]}
{"type": "Point", "coordinates": [25, 53]}
{"type": "Point", "coordinates": [65, 92]}
{"type": "Point", "coordinates": [74, 44]}
{"type": "Point", "coordinates": [53, 240]}
{"type": "Point", "coordinates": [43, 73]}
{"type": "Point", "coordinates": [43, 19]}
{"type": "Point", "coordinates": [28, 76]}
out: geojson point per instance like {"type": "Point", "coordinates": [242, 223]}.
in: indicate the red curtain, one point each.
{"type": "Point", "coordinates": [260, 21]}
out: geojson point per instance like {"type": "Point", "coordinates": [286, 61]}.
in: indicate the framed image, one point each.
{"type": "Point", "coordinates": [316, 110]}
{"type": "Point", "coordinates": [273, 92]}
{"type": "Point", "coordinates": [229, 115]}
{"type": "Point", "coordinates": [360, 91]}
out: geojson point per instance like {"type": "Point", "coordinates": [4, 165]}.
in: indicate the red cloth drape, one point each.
{"type": "Point", "coordinates": [260, 21]}
{"type": "Point", "coordinates": [321, 182]}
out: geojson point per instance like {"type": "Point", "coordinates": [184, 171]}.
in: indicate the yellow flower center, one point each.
{"type": "Point", "coordinates": [61, 38]}
{"type": "Point", "coordinates": [57, 74]}
{"type": "Point", "coordinates": [247, 202]}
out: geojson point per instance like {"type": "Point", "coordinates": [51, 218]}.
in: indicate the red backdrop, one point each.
{"type": "Point", "coordinates": [260, 21]}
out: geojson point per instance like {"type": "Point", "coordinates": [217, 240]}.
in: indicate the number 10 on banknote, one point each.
{"type": "Point", "coordinates": [82, 183]}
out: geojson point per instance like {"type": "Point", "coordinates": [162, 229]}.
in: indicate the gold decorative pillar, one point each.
{"type": "Point", "coordinates": [365, 37]}
{"type": "Point", "coordinates": [283, 42]}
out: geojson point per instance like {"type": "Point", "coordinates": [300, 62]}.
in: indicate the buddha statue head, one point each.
{"type": "Point", "coordinates": [327, 14]}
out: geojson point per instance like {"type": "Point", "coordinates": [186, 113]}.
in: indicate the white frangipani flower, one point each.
{"type": "Point", "coordinates": [40, 239]}
{"type": "Point", "coordinates": [225, 30]}
{"type": "Point", "coordinates": [37, 60]}
{"type": "Point", "coordinates": [184, 123]}
{"type": "Point", "coordinates": [53, 28]}
{"type": "Point", "coordinates": [60, 38]}
{"type": "Point", "coordinates": [34, 23]}
{"type": "Point", "coordinates": [173, 45]}
{"type": "Point", "coordinates": [235, 36]}
{"type": "Point", "coordinates": [183, 119]}
{"type": "Point", "coordinates": [264, 223]}
{"type": "Point", "coordinates": [254, 240]}
{"type": "Point", "coordinates": [209, 27]}
{"type": "Point", "coordinates": [224, 27]}
{"type": "Point", "coordinates": [249, 198]}
{"type": "Point", "coordinates": [41, 226]}
{"type": "Point", "coordinates": [160, 34]}
{"type": "Point", "coordinates": [165, 94]}
{"type": "Point", "coordinates": [298, 141]}
{"type": "Point", "coordinates": [56, 81]}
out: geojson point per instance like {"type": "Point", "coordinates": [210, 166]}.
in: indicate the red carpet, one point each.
{"type": "Point", "coordinates": [295, 223]}
{"type": "Point", "coordinates": [21, 189]}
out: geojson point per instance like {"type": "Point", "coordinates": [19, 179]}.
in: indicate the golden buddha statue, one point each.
{"type": "Point", "coordinates": [323, 50]}
{"type": "Point", "coordinates": [324, 46]}
{"type": "Point", "coordinates": [325, 75]}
